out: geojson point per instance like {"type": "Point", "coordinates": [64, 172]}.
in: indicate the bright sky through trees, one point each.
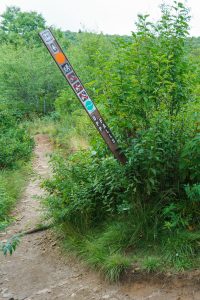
{"type": "Point", "coordinates": [108, 16]}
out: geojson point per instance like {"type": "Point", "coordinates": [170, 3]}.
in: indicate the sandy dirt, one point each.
{"type": "Point", "coordinates": [38, 270]}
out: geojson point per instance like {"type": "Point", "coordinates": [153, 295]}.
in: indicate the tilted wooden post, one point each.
{"type": "Point", "coordinates": [81, 93]}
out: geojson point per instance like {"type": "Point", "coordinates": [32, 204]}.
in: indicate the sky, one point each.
{"type": "Point", "coordinates": [107, 16]}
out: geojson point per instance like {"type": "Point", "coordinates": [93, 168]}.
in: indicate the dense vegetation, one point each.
{"type": "Point", "coordinates": [16, 143]}
{"type": "Point", "coordinates": [145, 213]}
{"type": "Point", "coordinates": [15, 150]}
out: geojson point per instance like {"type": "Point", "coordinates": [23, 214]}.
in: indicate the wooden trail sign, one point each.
{"type": "Point", "coordinates": [81, 93]}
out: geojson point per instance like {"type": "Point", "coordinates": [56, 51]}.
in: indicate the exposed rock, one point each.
{"type": "Point", "coordinates": [44, 291]}
{"type": "Point", "coordinates": [106, 297]}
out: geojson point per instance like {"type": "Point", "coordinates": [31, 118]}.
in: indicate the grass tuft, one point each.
{"type": "Point", "coordinates": [115, 265]}
{"type": "Point", "coordinates": [151, 264]}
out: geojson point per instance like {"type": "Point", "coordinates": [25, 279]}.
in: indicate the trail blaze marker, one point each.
{"type": "Point", "coordinates": [78, 88]}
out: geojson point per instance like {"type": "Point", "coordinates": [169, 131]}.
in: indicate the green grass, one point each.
{"type": "Point", "coordinates": [112, 265]}
{"type": "Point", "coordinates": [12, 184]}
{"type": "Point", "coordinates": [42, 125]}
{"type": "Point", "coordinates": [112, 251]}
{"type": "Point", "coordinates": [69, 134]}
{"type": "Point", "coordinates": [151, 264]}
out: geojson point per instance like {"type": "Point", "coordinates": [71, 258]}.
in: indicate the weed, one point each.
{"type": "Point", "coordinates": [151, 264]}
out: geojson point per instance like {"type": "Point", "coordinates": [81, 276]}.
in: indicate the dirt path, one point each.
{"type": "Point", "coordinates": [38, 271]}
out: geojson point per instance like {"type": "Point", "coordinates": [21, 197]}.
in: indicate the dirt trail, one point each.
{"type": "Point", "coordinates": [38, 271]}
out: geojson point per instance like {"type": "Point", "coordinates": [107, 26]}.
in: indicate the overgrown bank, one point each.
{"type": "Point", "coordinates": [145, 213]}
{"type": "Point", "coordinates": [15, 152]}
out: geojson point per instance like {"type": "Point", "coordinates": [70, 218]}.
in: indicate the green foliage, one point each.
{"type": "Point", "coordinates": [25, 65]}
{"type": "Point", "coordinates": [26, 75]}
{"type": "Point", "coordinates": [193, 192]}
{"type": "Point", "coordinates": [190, 160]}
{"type": "Point", "coordinates": [15, 143]}
{"type": "Point", "coordinates": [18, 27]}
{"type": "Point", "coordinates": [10, 245]}
{"type": "Point", "coordinates": [151, 264]}
{"type": "Point", "coordinates": [113, 249]}
{"type": "Point", "coordinates": [162, 59]}
{"type": "Point", "coordinates": [115, 265]}
{"type": "Point", "coordinates": [143, 85]}
{"type": "Point", "coordinates": [85, 196]}
{"type": "Point", "coordinates": [16, 146]}
{"type": "Point", "coordinates": [6, 202]}
{"type": "Point", "coordinates": [100, 249]}
{"type": "Point", "coordinates": [88, 189]}
{"type": "Point", "coordinates": [66, 103]}
{"type": "Point", "coordinates": [12, 184]}
{"type": "Point", "coordinates": [147, 86]}
{"type": "Point", "coordinates": [146, 197]}
{"type": "Point", "coordinates": [181, 249]}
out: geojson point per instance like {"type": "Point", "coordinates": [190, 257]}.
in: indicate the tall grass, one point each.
{"type": "Point", "coordinates": [112, 250]}
{"type": "Point", "coordinates": [69, 134]}
{"type": "Point", "coordinates": [12, 184]}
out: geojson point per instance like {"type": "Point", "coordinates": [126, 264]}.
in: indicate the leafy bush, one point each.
{"type": "Point", "coordinates": [15, 145]}
{"type": "Point", "coordinates": [193, 192]}
{"type": "Point", "coordinates": [15, 142]}
{"type": "Point", "coordinates": [190, 160]}
{"type": "Point", "coordinates": [89, 191]}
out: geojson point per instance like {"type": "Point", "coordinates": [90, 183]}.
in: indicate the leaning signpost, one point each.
{"type": "Point", "coordinates": [79, 90]}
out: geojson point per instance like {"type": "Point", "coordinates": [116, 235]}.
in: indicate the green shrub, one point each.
{"type": "Point", "coordinates": [193, 192]}
{"type": "Point", "coordinates": [15, 142]}
{"type": "Point", "coordinates": [190, 160]}
{"type": "Point", "coordinates": [86, 190]}
{"type": "Point", "coordinates": [6, 119]}
{"type": "Point", "coordinates": [15, 145]}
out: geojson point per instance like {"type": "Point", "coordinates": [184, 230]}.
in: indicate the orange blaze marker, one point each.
{"type": "Point", "coordinates": [60, 58]}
